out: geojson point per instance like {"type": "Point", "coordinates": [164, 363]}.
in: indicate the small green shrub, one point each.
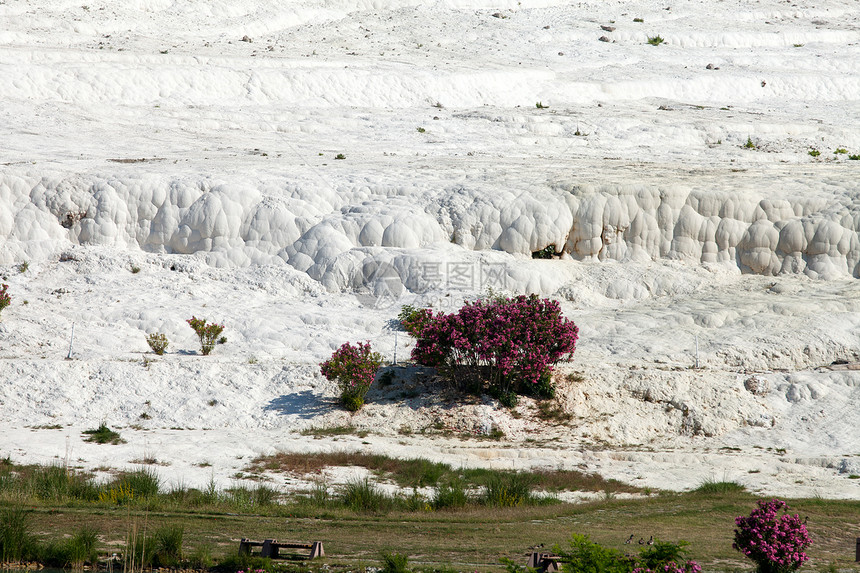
{"type": "Point", "coordinates": [58, 483]}
{"type": "Point", "coordinates": [450, 496]}
{"type": "Point", "coordinates": [543, 389]}
{"type": "Point", "coordinates": [168, 546]}
{"type": "Point", "coordinates": [22, 268]}
{"type": "Point", "coordinates": [82, 547]}
{"type": "Point", "coordinates": [509, 490]}
{"type": "Point", "coordinates": [540, 105]}
{"type": "Point", "coordinates": [103, 435]}
{"type": "Point", "coordinates": [139, 484]}
{"type": "Point", "coordinates": [157, 342]}
{"type": "Point", "coordinates": [655, 40]}
{"type": "Point", "coordinates": [201, 558]}
{"type": "Point", "coordinates": [421, 130]}
{"type": "Point", "coordinates": [208, 333]}
{"type": "Point", "coordinates": [547, 252]}
{"type": "Point", "coordinates": [5, 299]}
{"type": "Point", "coordinates": [394, 563]}
{"type": "Point", "coordinates": [506, 398]}
{"type": "Point", "coordinates": [340, 156]}
{"type": "Point", "coordinates": [639, 20]}
{"type": "Point", "coordinates": [854, 157]}
{"type": "Point", "coordinates": [585, 556]}
{"type": "Point", "coordinates": [749, 144]}
{"type": "Point", "coordinates": [549, 411]}
{"type": "Point", "coordinates": [318, 496]}
{"type": "Point", "coordinates": [258, 496]}
{"type": "Point", "coordinates": [362, 496]}
{"type": "Point", "coordinates": [135, 269]}
{"type": "Point", "coordinates": [710, 486]}
{"type": "Point", "coordinates": [245, 562]}
{"type": "Point", "coordinates": [814, 152]}
{"type": "Point", "coordinates": [17, 541]}
{"type": "Point", "coordinates": [840, 151]}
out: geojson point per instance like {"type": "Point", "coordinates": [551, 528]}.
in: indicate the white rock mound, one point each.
{"type": "Point", "coordinates": [330, 233]}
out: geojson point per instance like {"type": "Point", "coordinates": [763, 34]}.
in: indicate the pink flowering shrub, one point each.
{"type": "Point", "coordinates": [354, 368]}
{"type": "Point", "coordinates": [208, 333]}
{"type": "Point", "coordinates": [776, 543]}
{"type": "Point", "coordinates": [509, 344]}
{"type": "Point", "coordinates": [413, 320]}
{"type": "Point", "coordinates": [5, 299]}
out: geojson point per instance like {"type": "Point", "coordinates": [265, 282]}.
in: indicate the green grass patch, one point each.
{"type": "Point", "coordinates": [419, 472]}
{"type": "Point", "coordinates": [334, 431]}
{"type": "Point", "coordinates": [477, 535]}
{"type": "Point", "coordinates": [103, 435]}
{"type": "Point", "coordinates": [711, 487]}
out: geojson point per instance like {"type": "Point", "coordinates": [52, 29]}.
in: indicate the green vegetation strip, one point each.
{"type": "Point", "coordinates": [476, 537]}
{"type": "Point", "coordinates": [62, 509]}
{"type": "Point", "coordinates": [424, 473]}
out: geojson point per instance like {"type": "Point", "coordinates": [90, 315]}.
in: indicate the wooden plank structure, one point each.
{"type": "Point", "coordinates": [272, 549]}
{"type": "Point", "coordinates": [544, 562]}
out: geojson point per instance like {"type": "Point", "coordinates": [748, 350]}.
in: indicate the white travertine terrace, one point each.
{"type": "Point", "coordinates": [298, 170]}
{"type": "Point", "coordinates": [328, 233]}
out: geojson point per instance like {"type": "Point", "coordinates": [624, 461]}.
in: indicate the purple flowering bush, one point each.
{"type": "Point", "coordinates": [776, 543]}
{"type": "Point", "coordinates": [510, 344]}
{"type": "Point", "coordinates": [354, 368]}
{"type": "Point", "coordinates": [413, 320]}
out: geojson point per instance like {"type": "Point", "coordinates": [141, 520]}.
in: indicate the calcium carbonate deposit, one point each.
{"type": "Point", "coordinates": [299, 172]}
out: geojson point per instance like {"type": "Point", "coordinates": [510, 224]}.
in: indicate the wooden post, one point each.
{"type": "Point", "coordinates": [270, 549]}
{"type": "Point", "coordinates": [857, 554]}
{"type": "Point", "coordinates": [244, 547]}
{"type": "Point", "coordinates": [317, 550]}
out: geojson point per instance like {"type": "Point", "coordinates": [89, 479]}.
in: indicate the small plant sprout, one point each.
{"type": "Point", "coordinates": [540, 105]}
{"type": "Point", "coordinates": [208, 333]}
{"type": "Point", "coordinates": [639, 20]}
{"type": "Point", "coordinates": [840, 151]}
{"type": "Point", "coordinates": [340, 156]}
{"type": "Point", "coordinates": [5, 299]}
{"type": "Point", "coordinates": [749, 144]}
{"type": "Point", "coordinates": [421, 130]}
{"type": "Point", "coordinates": [655, 40]}
{"type": "Point", "coordinates": [814, 152]}
{"type": "Point", "coordinates": [22, 268]}
{"type": "Point", "coordinates": [157, 342]}
{"type": "Point", "coordinates": [135, 269]}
